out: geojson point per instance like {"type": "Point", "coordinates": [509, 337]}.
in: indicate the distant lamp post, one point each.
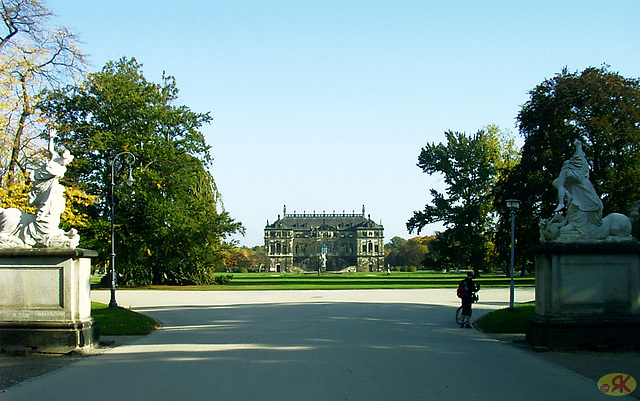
{"type": "Point", "coordinates": [512, 204]}
{"type": "Point", "coordinates": [130, 159]}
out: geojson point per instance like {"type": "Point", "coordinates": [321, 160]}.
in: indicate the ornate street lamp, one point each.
{"type": "Point", "coordinates": [130, 159]}
{"type": "Point", "coordinates": [512, 204]}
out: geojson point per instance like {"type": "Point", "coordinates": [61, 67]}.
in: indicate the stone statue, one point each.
{"type": "Point", "coordinates": [47, 196]}
{"type": "Point", "coordinates": [583, 220]}
{"type": "Point", "coordinates": [574, 185]}
{"type": "Point", "coordinates": [12, 223]}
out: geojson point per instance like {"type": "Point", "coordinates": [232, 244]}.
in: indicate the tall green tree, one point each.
{"type": "Point", "coordinates": [170, 224]}
{"type": "Point", "coordinates": [597, 106]}
{"type": "Point", "coordinates": [443, 252]}
{"type": "Point", "coordinates": [470, 166]}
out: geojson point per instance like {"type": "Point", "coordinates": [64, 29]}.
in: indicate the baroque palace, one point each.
{"type": "Point", "coordinates": [324, 241]}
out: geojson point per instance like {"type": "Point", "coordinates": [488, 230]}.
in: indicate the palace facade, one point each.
{"type": "Point", "coordinates": [347, 241]}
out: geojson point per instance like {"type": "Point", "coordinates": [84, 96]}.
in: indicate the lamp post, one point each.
{"type": "Point", "coordinates": [130, 159]}
{"type": "Point", "coordinates": [512, 204]}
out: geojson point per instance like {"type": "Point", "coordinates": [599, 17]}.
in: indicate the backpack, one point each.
{"type": "Point", "coordinates": [462, 289]}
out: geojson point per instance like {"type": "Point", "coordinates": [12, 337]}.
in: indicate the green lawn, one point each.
{"type": "Point", "coordinates": [507, 320]}
{"type": "Point", "coordinates": [345, 281]}
{"type": "Point", "coordinates": [120, 321]}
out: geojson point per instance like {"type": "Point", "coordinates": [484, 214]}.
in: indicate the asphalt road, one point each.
{"type": "Point", "coordinates": [310, 345]}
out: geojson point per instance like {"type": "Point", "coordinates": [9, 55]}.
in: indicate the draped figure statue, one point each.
{"type": "Point", "coordinates": [583, 207]}
{"type": "Point", "coordinates": [47, 196]}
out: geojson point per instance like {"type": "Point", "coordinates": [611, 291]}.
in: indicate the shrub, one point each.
{"type": "Point", "coordinates": [223, 279]}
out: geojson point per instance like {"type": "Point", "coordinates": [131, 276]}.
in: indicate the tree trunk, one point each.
{"type": "Point", "coordinates": [17, 140]}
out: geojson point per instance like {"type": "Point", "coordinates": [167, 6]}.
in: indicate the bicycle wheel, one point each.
{"type": "Point", "coordinates": [459, 316]}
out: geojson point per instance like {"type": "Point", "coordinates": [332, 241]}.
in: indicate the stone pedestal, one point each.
{"type": "Point", "coordinates": [587, 295]}
{"type": "Point", "coordinates": [44, 299]}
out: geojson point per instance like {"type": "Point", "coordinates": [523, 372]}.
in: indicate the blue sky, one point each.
{"type": "Point", "coordinates": [324, 105]}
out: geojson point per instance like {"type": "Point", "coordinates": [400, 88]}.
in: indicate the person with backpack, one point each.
{"type": "Point", "coordinates": [467, 292]}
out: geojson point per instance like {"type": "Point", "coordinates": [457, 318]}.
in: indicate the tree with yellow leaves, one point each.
{"type": "Point", "coordinates": [25, 17]}
{"type": "Point", "coordinates": [27, 71]}
{"type": "Point", "coordinates": [34, 58]}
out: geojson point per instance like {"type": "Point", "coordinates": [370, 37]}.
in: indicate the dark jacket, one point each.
{"type": "Point", "coordinates": [471, 288]}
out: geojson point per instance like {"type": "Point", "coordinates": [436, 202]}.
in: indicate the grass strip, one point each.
{"type": "Point", "coordinates": [507, 320]}
{"type": "Point", "coordinates": [347, 281]}
{"type": "Point", "coordinates": [121, 322]}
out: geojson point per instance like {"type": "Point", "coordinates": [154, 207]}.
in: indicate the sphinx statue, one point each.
{"type": "Point", "coordinates": [41, 229]}
{"type": "Point", "coordinates": [582, 220]}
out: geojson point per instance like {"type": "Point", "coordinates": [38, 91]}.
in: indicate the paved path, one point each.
{"type": "Point", "coordinates": [310, 345]}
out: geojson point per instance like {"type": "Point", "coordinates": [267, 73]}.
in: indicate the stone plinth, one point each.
{"type": "Point", "coordinates": [587, 295]}
{"type": "Point", "coordinates": [45, 299]}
